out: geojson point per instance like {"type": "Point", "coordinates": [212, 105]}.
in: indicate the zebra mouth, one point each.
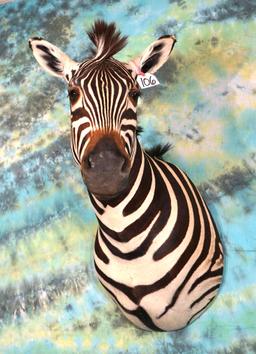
{"type": "Point", "coordinates": [106, 187]}
{"type": "Point", "coordinates": [107, 197]}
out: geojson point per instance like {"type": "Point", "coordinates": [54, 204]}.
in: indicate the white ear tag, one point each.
{"type": "Point", "coordinates": [147, 80]}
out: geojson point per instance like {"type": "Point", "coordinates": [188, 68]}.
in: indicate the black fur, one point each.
{"type": "Point", "coordinates": [113, 42]}
{"type": "Point", "coordinates": [36, 38]}
{"type": "Point", "coordinates": [139, 130]}
{"type": "Point", "coordinates": [165, 36]}
{"type": "Point", "coordinates": [158, 47]}
{"type": "Point", "coordinates": [52, 62]}
{"type": "Point", "coordinates": [158, 150]}
{"type": "Point", "coordinates": [150, 62]}
{"type": "Point", "coordinates": [32, 39]}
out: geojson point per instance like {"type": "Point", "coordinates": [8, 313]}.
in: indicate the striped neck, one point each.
{"type": "Point", "coordinates": [129, 215]}
{"type": "Point", "coordinates": [120, 211]}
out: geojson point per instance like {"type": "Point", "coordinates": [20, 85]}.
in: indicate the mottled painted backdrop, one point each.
{"type": "Point", "coordinates": [50, 300]}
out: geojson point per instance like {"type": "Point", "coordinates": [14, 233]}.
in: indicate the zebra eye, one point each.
{"type": "Point", "coordinates": [135, 94]}
{"type": "Point", "coordinates": [73, 95]}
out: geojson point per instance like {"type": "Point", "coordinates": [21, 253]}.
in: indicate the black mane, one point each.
{"type": "Point", "coordinates": [158, 150]}
{"type": "Point", "coordinates": [106, 35]}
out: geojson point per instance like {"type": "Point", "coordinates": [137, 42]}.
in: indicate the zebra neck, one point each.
{"type": "Point", "coordinates": [126, 216]}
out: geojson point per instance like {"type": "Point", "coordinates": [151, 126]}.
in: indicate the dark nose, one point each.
{"type": "Point", "coordinates": [105, 170]}
{"type": "Point", "coordinates": [106, 158]}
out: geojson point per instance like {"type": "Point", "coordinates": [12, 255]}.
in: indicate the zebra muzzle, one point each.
{"type": "Point", "coordinates": [105, 170]}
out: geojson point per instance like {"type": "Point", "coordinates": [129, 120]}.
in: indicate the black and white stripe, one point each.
{"type": "Point", "coordinates": [157, 240]}
{"type": "Point", "coordinates": [103, 105]}
{"type": "Point", "coordinates": [157, 250]}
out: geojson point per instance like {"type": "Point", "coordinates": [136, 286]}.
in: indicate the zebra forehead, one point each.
{"type": "Point", "coordinates": [110, 68]}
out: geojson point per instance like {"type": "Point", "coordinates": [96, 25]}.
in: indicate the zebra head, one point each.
{"type": "Point", "coordinates": [103, 95]}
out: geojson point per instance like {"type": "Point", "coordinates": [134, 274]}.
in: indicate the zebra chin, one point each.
{"type": "Point", "coordinates": [105, 186]}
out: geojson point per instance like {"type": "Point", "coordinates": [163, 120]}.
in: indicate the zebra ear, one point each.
{"type": "Point", "coordinates": [52, 59]}
{"type": "Point", "coordinates": [154, 56]}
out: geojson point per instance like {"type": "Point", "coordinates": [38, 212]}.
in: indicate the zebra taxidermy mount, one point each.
{"type": "Point", "coordinates": [157, 250]}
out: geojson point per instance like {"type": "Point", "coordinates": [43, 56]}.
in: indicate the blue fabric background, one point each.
{"type": "Point", "coordinates": [50, 300]}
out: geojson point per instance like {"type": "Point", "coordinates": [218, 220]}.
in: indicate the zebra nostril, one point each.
{"type": "Point", "coordinates": [90, 162]}
{"type": "Point", "coordinates": [125, 166]}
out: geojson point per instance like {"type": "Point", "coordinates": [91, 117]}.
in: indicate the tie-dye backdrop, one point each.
{"type": "Point", "coordinates": [50, 300]}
